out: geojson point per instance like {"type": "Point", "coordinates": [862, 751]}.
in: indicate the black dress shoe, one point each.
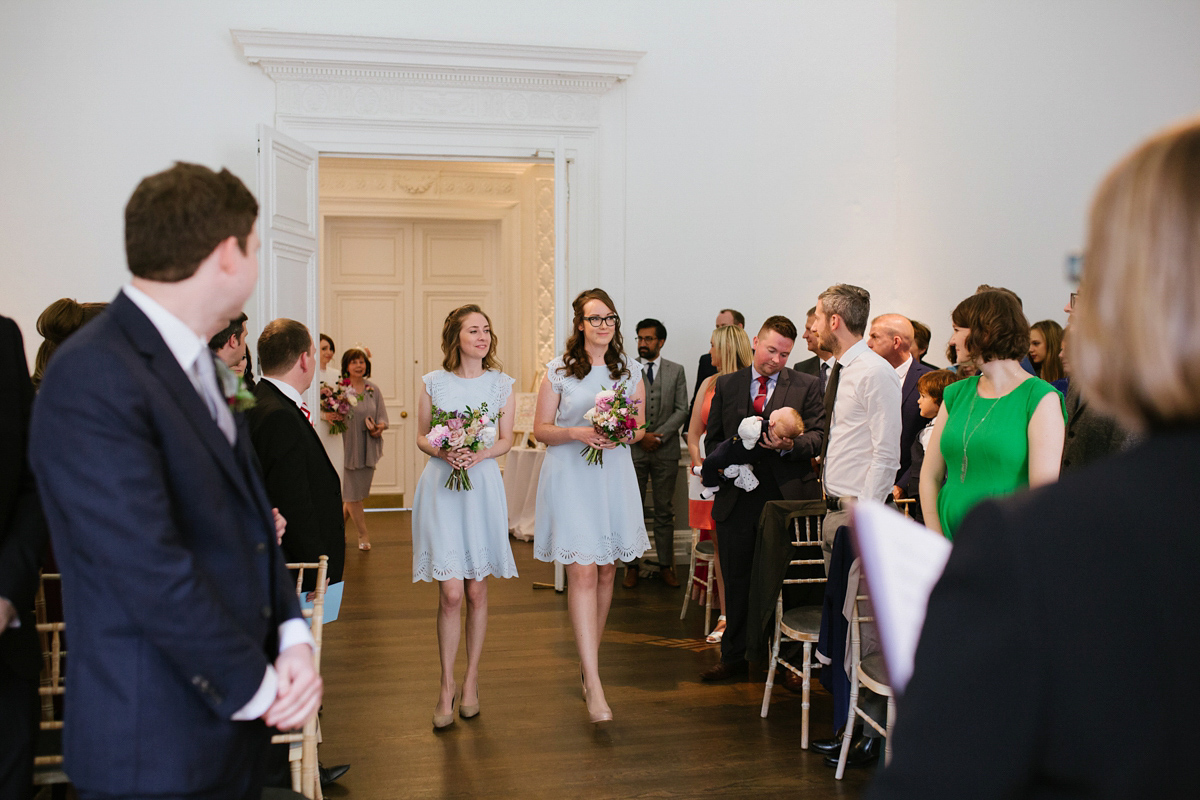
{"type": "Point", "coordinates": [722, 671]}
{"type": "Point", "coordinates": [864, 751]}
{"type": "Point", "coordinates": [827, 746]}
{"type": "Point", "coordinates": [330, 775]}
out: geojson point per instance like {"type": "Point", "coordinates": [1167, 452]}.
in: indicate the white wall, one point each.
{"type": "Point", "coordinates": [916, 148]}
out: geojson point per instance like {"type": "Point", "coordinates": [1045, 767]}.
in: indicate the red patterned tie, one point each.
{"type": "Point", "coordinates": [307, 414]}
{"type": "Point", "coordinates": [760, 399]}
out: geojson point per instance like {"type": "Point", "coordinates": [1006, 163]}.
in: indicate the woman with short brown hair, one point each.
{"type": "Point", "coordinates": [998, 431]}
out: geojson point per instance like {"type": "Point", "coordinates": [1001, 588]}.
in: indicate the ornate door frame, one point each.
{"type": "Point", "coordinates": [438, 100]}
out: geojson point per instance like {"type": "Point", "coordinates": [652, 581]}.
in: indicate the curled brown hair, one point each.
{"type": "Point", "coordinates": [1133, 343]}
{"type": "Point", "coordinates": [998, 326]}
{"type": "Point", "coordinates": [451, 355]}
{"type": "Point", "coordinates": [1051, 368]}
{"type": "Point", "coordinates": [576, 362]}
{"type": "Point", "coordinates": [60, 319]}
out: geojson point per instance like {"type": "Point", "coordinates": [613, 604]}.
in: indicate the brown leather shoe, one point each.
{"type": "Point", "coordinates": [631, 578]}
{"type": "Point", "coordinates": [722, 671]}
{"type": "Point", "coordinates": [792, 682]}
{"type": "Point", "coordinates": [668, 577]}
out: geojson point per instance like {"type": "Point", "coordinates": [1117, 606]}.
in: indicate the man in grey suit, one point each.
{"type": "Point", "coordinates": [656, 456]}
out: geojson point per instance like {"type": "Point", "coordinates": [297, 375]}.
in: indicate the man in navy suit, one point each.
{"type": "Point", "coordinates": [22, 543]}
{"type": "Point", "coordinates": [186, 635]}
{"type": "Point", "coordinates": [891, 337]}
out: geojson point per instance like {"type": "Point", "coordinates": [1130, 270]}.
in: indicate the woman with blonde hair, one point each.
{"type": "Point", "coordinates": [1022, 625]}
{"type": "Point", "coordinates": [460, 537]}
{"type": "Point", "coordinates": [589, 516]}
{"type": "Point", "coordinates": [729, 348]}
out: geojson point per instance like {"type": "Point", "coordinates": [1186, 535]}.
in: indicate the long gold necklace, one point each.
{"type": "Point", "coordinates": [967, 439]}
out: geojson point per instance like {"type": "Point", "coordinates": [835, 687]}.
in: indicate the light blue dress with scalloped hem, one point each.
{"type": "Point", "coordinates": [586, 513]}
{"type": "Point", "coordinates": [462, 534]}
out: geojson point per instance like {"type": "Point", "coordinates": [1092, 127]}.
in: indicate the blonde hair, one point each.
{"type": "Point", "coordinates": [733, 349]}
{"type": "Point", "coordinates": [793, 418]}
{"type": "Point", "coordinates": [1134, 345]}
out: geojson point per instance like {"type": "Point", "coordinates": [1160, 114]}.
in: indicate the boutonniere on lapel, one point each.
{"type": "Point", "coordinates": [233, 386]}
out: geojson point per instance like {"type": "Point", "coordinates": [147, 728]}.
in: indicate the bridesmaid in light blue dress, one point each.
{"type": "Point", "coordinates": [461, 537]}
{"type": "Point", "coordinates": [589, 517]}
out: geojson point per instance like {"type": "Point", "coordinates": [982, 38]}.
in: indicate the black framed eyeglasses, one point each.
{"type": "Point", "coordinates": [610, 321]}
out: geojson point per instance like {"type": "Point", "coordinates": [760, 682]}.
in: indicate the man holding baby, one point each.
{"type": "Point", "coordinates": [784, 474]}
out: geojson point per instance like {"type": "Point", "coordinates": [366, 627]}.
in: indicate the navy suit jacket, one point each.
{"type": "Point", "coordinates": [173, 585]}
{"type": "Point", "coordinates": [911, 421]}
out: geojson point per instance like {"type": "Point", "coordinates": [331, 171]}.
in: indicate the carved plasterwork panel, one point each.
{"type": "Point", "coordinates": [318, 98]}
{"type": "Point", "coordinates": [544, 203]}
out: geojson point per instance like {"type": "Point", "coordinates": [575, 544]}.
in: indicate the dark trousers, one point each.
{"type": "Point", "coordinates": [19, 709]}
{"type": "Point", "coordinates": [245, 786]}
{"type": "Point", "coordinates": [662, 473]}
{"type": "Point", "coordinates": [736, 539]}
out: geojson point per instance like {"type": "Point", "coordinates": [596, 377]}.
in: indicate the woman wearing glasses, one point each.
{"type": "Point", "coordinates": [589, 516]}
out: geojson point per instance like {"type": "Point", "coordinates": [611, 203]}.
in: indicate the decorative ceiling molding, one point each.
{"type": "Point", "coordinates": [333, 58]}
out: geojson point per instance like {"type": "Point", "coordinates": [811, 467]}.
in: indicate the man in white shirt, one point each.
{"type": "Point", "coordinates": [862, 408]}
{"type": "Point", "coordinates": [186, 631]}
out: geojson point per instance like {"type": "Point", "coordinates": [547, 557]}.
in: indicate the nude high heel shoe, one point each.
{"type": "Point", "coordinates": [468, 712]}
{"type": "Point", "coordinates": [441, 721]}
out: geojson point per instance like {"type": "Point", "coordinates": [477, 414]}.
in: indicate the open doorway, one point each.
{"type": "Point", "coordinates": [401, 243]}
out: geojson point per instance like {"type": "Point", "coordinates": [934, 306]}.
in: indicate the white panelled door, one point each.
{"type": "Point", "coordinates": [389, 284]}
{"type": "Point", "coordinates": [287, 227]}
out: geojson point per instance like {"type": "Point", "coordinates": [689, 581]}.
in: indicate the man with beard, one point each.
{"type": "Point", "coordinates": [656, 456]}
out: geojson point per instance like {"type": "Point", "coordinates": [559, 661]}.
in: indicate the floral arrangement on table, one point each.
{"type": "Point", "coordinates": [473, 429]}
{"type": "Point", "coordinates": [338, 399]}
{"type": "Point", "coordinates": [613, 416]}
{"type": "Point", "coordinates": [234, 388]}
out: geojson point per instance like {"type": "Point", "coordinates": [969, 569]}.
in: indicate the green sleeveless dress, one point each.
{"type": "Point", "coordinates": [997, 445]}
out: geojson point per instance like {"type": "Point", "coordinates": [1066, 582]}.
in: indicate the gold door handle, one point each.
{"type": "Point", "coordinates": [403, 415]}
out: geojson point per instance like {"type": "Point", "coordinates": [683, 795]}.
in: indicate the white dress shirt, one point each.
{"type": "Point", "coordinates": [864, 434]}
{"type": "Point", "coordinates": [289, 392]}
{"type": "Point", "coordinates": [654, 362]}
{"type": "Point", "coordinates": [188, 347]}
{"type": "Point", "coordinates": [902, 370]}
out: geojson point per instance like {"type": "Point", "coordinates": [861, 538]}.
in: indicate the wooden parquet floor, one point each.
{"type": "Point", "coordinates": [673, 737]}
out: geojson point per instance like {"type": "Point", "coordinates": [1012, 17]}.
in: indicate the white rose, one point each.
{"type": "Point", "coordinates": [487, 436]}
{"type": "Point", "coordinates": [590, 415]}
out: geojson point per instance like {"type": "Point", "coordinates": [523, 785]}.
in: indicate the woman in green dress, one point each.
{"type": "Point", "coordinates": [997, 432]}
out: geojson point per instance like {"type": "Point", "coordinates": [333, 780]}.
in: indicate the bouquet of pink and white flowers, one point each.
{"type": "Point", "coordinates": [338, 399]}
{"type": "Point", "coordinates": [614, 416]}
{"type": "Point", "coordinates": [473, 429]}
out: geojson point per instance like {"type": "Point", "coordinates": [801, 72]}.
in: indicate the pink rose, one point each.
{"type": "Point", "coordinates": [457, 438]}
{"type": "Point", "coordinates": [455, 424]}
